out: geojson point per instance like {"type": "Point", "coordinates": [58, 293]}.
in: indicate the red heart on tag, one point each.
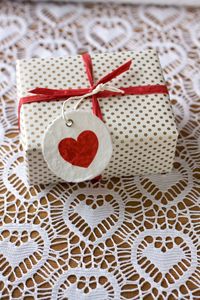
{"type": "Point", "coordinates": [80, 152]}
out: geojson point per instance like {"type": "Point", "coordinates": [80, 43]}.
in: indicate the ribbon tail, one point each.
{"type": "Point", "coordinates": [121, 69]}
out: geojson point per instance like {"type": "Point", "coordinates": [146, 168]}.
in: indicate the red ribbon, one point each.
{"type": "Point", "coordinates": [47, 95]}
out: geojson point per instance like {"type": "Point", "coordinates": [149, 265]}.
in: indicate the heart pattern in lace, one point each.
{"type": "Point", "coordinates": [22, 251]}
{"type": "Point", "coordinates": [94, 217]}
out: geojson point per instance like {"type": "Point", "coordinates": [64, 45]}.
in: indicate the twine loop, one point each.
{"type": "Point", "coordinates": [101, 87]}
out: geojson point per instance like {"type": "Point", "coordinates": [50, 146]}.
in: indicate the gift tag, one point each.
{"type": "Point", "coordinates": [79, 148]}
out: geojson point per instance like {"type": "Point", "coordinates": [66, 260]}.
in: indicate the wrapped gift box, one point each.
{"type": "Point", "coordinates": [142, 127]}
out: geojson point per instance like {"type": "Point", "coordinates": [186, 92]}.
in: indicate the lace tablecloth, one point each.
{"type": "Point", "coordinates": [155, 2]}
{"type": "Point", "coordinates": [131, 238]}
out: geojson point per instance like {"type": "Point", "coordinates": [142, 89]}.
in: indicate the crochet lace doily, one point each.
{"type": "Point", "coordinates": [130, 238]}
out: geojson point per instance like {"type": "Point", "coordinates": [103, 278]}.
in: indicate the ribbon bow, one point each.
{"type": "Point", "coordinates": [101, 89]}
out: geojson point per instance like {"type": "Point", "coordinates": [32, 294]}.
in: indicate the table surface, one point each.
{"type": "Point", "coordinates": [130, 238]}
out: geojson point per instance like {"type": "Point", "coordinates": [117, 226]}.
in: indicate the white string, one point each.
{"type": "Point", "coordinates": [99, 88]}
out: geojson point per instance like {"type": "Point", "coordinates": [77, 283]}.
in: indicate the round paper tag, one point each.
{"type": "Point", "coordinates": [79, 151]}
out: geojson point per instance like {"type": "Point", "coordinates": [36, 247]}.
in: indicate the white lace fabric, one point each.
{"type": "Point", "coordinates": [129, 238]}
{"type": "Point", "coordinates": [155, 2]}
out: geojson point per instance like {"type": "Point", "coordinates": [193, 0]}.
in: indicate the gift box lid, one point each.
{"type": "Point", "coordinates": [142, 114]}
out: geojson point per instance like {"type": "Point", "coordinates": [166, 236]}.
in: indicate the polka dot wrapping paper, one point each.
{"type": "Point", "coordinates": [142, 127]}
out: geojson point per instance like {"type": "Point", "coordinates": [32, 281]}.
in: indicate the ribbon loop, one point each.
{"type": "Point", "coordinates": [99, 88]}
